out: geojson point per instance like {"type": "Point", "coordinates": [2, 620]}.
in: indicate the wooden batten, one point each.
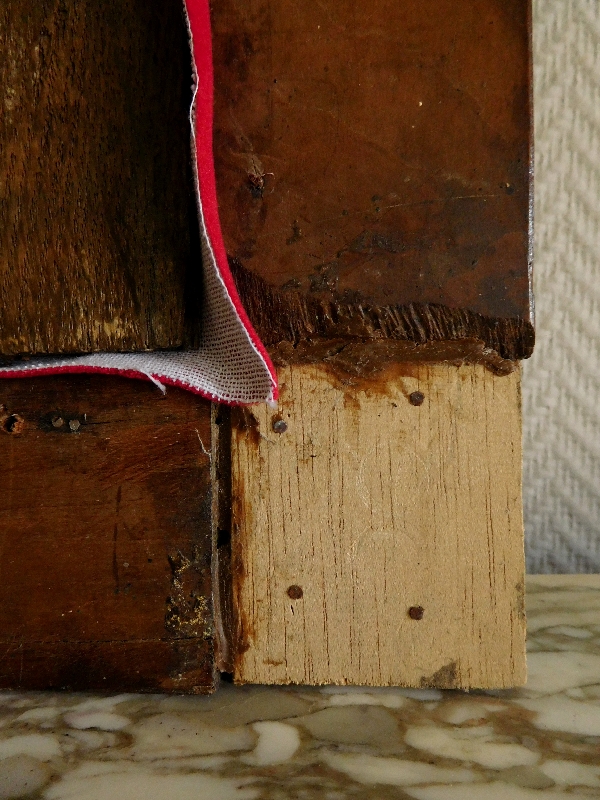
{"type": "Point", "coordinates": [98, 234]}
{"type": "Point", "coordinates": [373, 171]}
{"type": "Point", "coordinates": [105, 544]}
{"type": "Point", "coordinates": [377, 534]}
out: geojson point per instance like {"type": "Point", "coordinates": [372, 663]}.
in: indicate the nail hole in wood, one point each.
{"type": "Point", "coordinates": [416, 398]}
{"type": "Point", "coordinates": [13, 424]}
{"type": "Point", "coordinates": [416, 612]}
{"type": "Point", "coordinates": [295, 592]}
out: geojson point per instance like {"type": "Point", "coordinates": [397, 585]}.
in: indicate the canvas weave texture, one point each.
{"type": "Point", "coordinates": [561, 382]}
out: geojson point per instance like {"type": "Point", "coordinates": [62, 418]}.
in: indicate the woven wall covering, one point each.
{"type": "Point", "coordinates": [561, 387]}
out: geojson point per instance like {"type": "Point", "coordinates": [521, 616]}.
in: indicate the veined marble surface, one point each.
{"type": "Point", "coordinates": [304, 743]}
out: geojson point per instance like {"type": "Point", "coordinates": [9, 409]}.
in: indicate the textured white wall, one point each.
{"type": "Point", "coordinates": [561, 385]}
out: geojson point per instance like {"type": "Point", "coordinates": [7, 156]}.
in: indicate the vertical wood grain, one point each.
{"type": "Point", "coordinates": [98, 221]}
{"type": "Point", "coordinates": [377, 511]}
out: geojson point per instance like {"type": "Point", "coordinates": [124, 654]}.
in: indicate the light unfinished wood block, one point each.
{"type": "Point", "coordinates": [374, 509]}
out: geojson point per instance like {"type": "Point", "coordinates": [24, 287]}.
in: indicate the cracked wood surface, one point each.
{"type": "Point", "coordinates": [378, 539]}
{"type": "Point", "coordinates": [373, 170]}
{"type": "Point", "coordinates": [105, 536]}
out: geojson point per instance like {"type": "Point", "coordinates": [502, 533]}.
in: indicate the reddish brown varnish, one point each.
{"type": "Point", "coordinates": [105, 562]}
{"type": "Point", "coordinates": [392, 142]}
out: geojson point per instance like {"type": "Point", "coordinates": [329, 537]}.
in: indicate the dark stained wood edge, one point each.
{"type": "Point", "coordinates": [221, 526]}
{"type": "Point", "coordinates": [287, 316]}
{"type": "Point", "coordinates": [140, 666]}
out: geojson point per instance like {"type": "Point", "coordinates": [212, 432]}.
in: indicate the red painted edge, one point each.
{"type": "Point", "coordinates": [199, 17]}
{"type": "Point", "coordinates": [83, 369]}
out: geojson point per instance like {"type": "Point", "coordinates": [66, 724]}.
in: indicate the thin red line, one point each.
{"type": "Point", "coordinates": [199, 16]}
{"type": "Point", "coordinates": [124, 373]}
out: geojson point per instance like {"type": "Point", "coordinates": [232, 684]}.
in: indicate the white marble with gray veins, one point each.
{"type": "Point", "coordinates": [265, 743]}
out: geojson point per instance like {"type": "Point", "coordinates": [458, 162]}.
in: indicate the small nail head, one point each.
{"type": "Point", "coordinates": [416, 398]}
{"type": "Point", "coordinates": [57, 422]}
{"type": "Point", "coordinates": [416, 612]}
{"type": "Point", "coordinates": [74, 424]}
{"type": "Point", "coordinates": [295, 592]}
{"type": "Point", "coordinates": [279, 425]}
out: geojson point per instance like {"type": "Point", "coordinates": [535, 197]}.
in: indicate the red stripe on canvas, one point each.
{"type": "Point", "coordinates": [199, 17]}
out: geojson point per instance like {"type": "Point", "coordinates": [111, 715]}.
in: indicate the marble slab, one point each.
{"type": "Point", "coordinates": [331, 743]}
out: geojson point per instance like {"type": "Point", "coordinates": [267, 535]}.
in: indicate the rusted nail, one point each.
{"type": "Point", "coordinates": [279, 425]}
{"type": "Point", "coordinates": [74, 424]}
{"type": "Point", "coordinates": [416, 612]}
{"type": "Point", "coordinates": [57, 422]}
{"type": "Point", "coordinates": [416, 398]}
{"type": "Point", "coordinates": [295, 592]}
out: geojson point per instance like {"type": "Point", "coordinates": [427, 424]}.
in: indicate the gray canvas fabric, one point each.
{"type": "Point", "coordinates": [561, 385]}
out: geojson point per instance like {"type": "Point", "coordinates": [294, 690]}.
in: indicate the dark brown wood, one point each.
{"type": "Point", "coordinates": [105, 536]}
{"type": "Point", "coordinates": [373, 169]}
{"type": "Point", "coordinates": [98, 226]}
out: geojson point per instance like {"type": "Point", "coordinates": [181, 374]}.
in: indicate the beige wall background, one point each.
{"type": "Point", "coordinates": [561, 382]}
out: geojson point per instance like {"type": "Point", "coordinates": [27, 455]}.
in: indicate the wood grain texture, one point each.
{"type": "Point", "coordinates": [105, 539]}
{"type": "Point", "coordinates": [373, 169]}
{"type": "Point", "coordinates": [98, 225]}
{"type": "Point", "coordinates": [369, 511]}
